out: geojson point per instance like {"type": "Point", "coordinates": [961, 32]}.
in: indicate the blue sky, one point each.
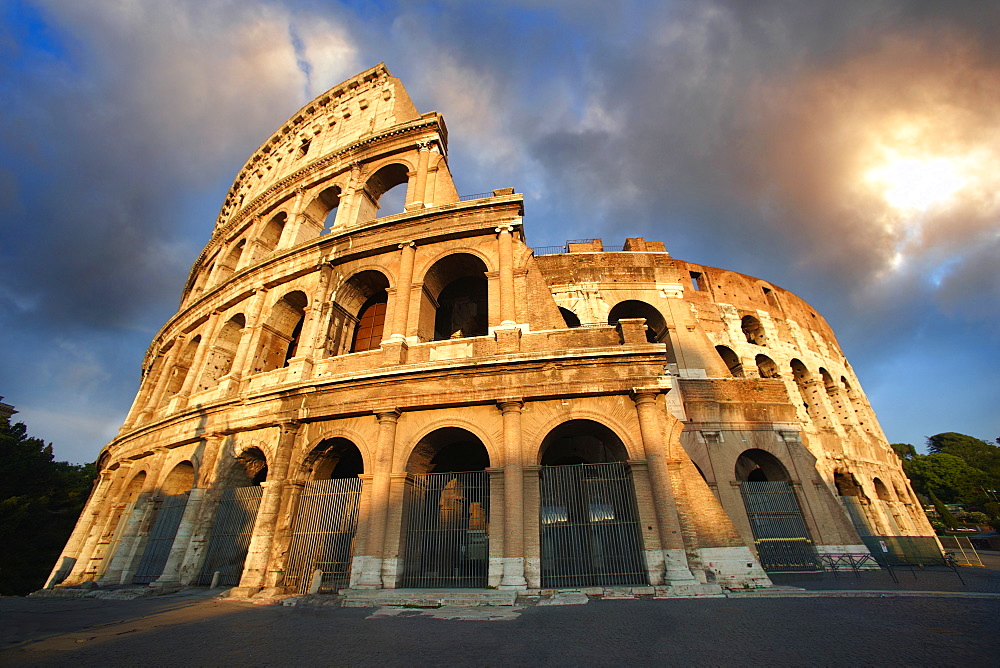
{"type": "Point", "coordinates": [847, 151]}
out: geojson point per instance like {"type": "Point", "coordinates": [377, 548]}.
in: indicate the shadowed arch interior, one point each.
{"type": "Point", "coordinates": [448, 450]}
{"type": "Point", "coordinates": [731, 360]}
{"type": "Point", "coordinates": [179, 480]}
{"type": "Point", "coordinates": [582, 442]}
{"type": "Point", "coordinates": [334, 459]}
{"type": "Point", "coordinates": [455, 301]}
{"type": "Point", "coordinates": [571, 319]}
{"type": "Point", "coordinates": [757, 465]}
{"type": "Point", "coordinates": [363, 294]}
{"type": "Point", "coordinates": [656, 325]}
{"type": "Point", "coordinates": [249, 468]}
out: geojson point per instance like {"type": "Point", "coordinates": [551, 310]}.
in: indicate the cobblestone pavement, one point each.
{"type": "Point", "coordinates": [181, 630]}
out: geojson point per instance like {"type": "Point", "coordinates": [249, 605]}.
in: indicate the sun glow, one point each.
{"type": "Point", "coordinates": [915, 185]}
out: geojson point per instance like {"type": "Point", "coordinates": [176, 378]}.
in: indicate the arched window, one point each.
{"type": "Point", "coordinates": [271, 234]}
{"type": "Point", "coordinates": [828, 384]}
{"type": "Point", "coordinates": [279, 340]}
{"type": "Point", "coordinates": [756, 465]}
{"type": "Point", "coordinates": [371, 324]}
{"type": "Point", "coordinates": [232, 260]}
{"type": "Point", "coordinates": [732, 360]}
{"type": "Point", "coordinates": [582, 442]}
{"type": "Point", "coordinates": [334, 459]}
{"type": "Point", "coordinates": [656, 326]}
{"type": "Point", "coordinates": [569, 317]}
{"type": "Point", "coordinates": [753, 330]}
{"type": "Point", "coordinates": [373, 204]}
{"type": "Point", "coordinates": [322, 211]}
{"type": "Point", "coordinates": [881, 491]}
{"type": "Point", "coordinates": [183, 366]}
{"type": "Point", "coordinates": [766, 367]}
{"type": "Point", "coordinates": [220, 361]}
{"type": "Point", "coordinates": [456, 292]}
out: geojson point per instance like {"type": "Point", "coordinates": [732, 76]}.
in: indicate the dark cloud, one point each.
{"type": "Point", "coordinates": [738, 133]}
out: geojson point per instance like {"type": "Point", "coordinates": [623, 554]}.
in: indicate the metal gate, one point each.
{"type": "Point", "coordinates": [323, 535]}
{"type": "Point", "coordinates": [856, 511]}
{"type": "Point", "coordinates": [446, 530]}
{"type": "Point", "coordinates": [161, 539]}
{"type": "Point", "coordinates": [231, 533]}
{"type": "Point", "coordinates": [589, 527]}
{"type": "Point", "coordinates": [779, 531]}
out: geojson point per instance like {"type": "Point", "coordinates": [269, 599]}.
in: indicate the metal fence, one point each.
{"type": "Point", "coordinates": [589, 527]}
{"type": "Point", "coordinates": [961, 549]}
{"type": "Point", "coordinates": [446, 530]}
{"type": "Point", "coordinates": [323, 535]}
{"type": "Point", "coordinates": [779, 530]}
{"type": "Point", "coordinates": [231, 534]}
{"type": "Point", "coordinates": [161, 539]}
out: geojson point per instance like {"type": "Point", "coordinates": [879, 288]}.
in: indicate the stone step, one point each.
{"type": "Point", "coordinates": [426, 598]}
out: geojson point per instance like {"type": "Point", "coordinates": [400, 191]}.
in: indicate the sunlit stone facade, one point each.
{"type": "Point", "coordinates": [349, 399]}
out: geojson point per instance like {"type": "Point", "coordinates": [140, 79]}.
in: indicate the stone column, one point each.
{"type": "Point", "coordinates": [378, 512]}
{"type": "Point", "coordinates": [513, 500]}
{"type": "Point", "coordinates": [197, 364]}
{"type": "Point", "coordinates": [420, 185]}
{"type": "Point", "coordinates": [170, 577]}
{"type": "Point", "coordinates": [401, 308]}
{"type": "Point", "coordinates": [505, 248]}
{"type": "Point", "coordinates": [282, 542]}
{"type": "Point", "coordinates": [656, 453]}
{"type": "Point", "coordinates": [87, 531]}
{"type": "Point", "coordinates": [160, 383]}
{"type": "Point", "coordinates": [247, 339]}
{"type": "Point", "coordinates": [259, 552]}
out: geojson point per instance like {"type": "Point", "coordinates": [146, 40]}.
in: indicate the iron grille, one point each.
{"type": "Point", "coordinates": [779, 530]}
{"type": "Point", "coordinates": [589, 528]}
{"type": "Point", "coordinates": [231, 533]}
{"type": "Point", "coordinates": [323, 535]}
{"type": "Point", "coordinates": [161, 539]}
{"type": "Point", "coordinates": [446, 530]}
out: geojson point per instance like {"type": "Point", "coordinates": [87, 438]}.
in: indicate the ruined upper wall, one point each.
{"type": "Point", "coordinates": [367, 105]}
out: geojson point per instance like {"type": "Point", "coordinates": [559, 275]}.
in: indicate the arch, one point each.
{"type": "Point", "coordinates": [232, 260]}
{"type": "Point", "coordinates": [455, 299]}
{"type": "Point", "coordinates": [766, 367]}
{"type": "Point", "coordinates": [881, 491]}
{"type": "Point", "coordinates": [828, 384]}
{"type": "Point", "coordinates": [656, 325]}
{"type": "Point", "coordinates": [322, 211]}
{"type": "Point", "coordinates": [731, 359]}
{"type": "Point", "coordinates": [220, 360]}
{"type": "Point", "coordinates": [386, 178]}
{"type": "Point", "coordinates": [134, 487]}
{"type": "Point", "coordinates": [448, 450]}
{"type": "Point", "coordinates": [183, 366]}
{"type": "Point", "coordinates": [334, 459]}
{"type": "Point", "coordinates": [756, 465]}
{"type": "Point", "coordinates": [179, 480]}
{"type": "Point", "coordinates": [279, 339]}
{"type": "Point", "coordinates": [355, 297]}
{"type": "Point", "coordinates": [270, 236]}
{"type": "Point", "coordinates": [371, 324]}
{"type": "Point", "coordinates": [847, 484]}
{"type": "Point", "coordinates": [570, 318]}
{"type": "Point", "coordinates": [581, 441]}
{"type": "Point", "coordinates": [753, 330]}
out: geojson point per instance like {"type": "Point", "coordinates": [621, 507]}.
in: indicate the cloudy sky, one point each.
{"type": "Point", "coordinates": [847, 151]}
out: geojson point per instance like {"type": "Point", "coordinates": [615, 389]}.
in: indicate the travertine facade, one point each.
{"type": "Point", "coordinates": [320, 340]}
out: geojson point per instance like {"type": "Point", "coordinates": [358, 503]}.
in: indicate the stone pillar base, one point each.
{"type": "Point", "coordinates": [677, 573]}
{"type": "Point", "coordinates": [243, 592]}
{"type": "Point", "coordinates": [508, 339]}
{"type": "Point", "coordinates": [733, 567]}
{"type": "Point", "coordinates": [394, 352]}
{"type": "Point", "coordinates": [367, 573]}
{"type": "Point", "coordinates": [513, 574]}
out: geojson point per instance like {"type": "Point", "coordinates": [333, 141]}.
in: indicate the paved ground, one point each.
{"type": "Point", "coordinates": [952, 628]}
{"type": "Point", "coordinates": [204, 631]}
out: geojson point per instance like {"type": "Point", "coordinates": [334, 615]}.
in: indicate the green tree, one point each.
{"type": "Point", "coordinates": [904, 451]}
{"type": "Point", "coordinates": [973, 451]}
{"type": "Point", "coordinates": [946, 515]}
{"type": "Point", "coordinates": [40, 500]}
{"type": "Point", "coordinates": [947, 476]}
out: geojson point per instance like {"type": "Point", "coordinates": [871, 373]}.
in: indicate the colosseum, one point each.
{"type": "Point", "coordinates": [355, 396]}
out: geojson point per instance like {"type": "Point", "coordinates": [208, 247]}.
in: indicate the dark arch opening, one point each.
{"type": "Point", "coordinates": [753, 330]}
{"type": "Point", "coordinates": [335, 459]}
{"type": "Point", "coordinates": [757, 465]}
{"type": "Point", "coordinates": [249, 470]}
{"type": "Point", "coordinates": [457, 293]}
{"type": "Point", "coordinates": [731, 360]}
{"type": "Point", "coordinates": [448, 450]}
{"type": "Point", "coordinates": [322, 211]}
{"type": "Point", "coordinates": [280, 340]}
{"type": "Point", "coordinates": [379, 203]}
{"type": "Point", "coordinates": [881, 491]}
{"type": "Point", "coordinates": [656, 326]}
{"type": "Point", "coordinates": [847, 484]}
{"type": "Point", "coordinates": [570, 318]}
{"type": "Point", "coordinates": [582, 442]}
{"type": "Point", "coordinates": [766, 367]}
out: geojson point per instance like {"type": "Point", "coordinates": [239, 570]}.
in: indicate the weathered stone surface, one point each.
{"type": "Point", "coordinates": [320, 338]}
